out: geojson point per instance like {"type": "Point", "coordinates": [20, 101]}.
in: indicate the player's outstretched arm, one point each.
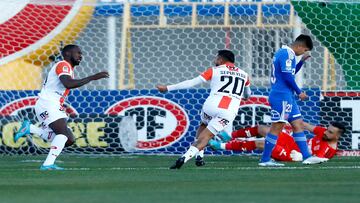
{"type": "Point", "coordinates": [70, 83]}
{"type": "Point", "coordinates": [309, 127]}
{"type": "Point", "coordinates": [182, 85]}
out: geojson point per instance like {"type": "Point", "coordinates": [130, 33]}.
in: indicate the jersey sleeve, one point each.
{"type": "Point", "coordinates": [325, 151]}
{"type": "Point", "coordinates": [286, 71]}
{"type": "Point", "coordinates": [330, 153]}
{"type": "Point", "coordinates": [319, 131]}
{"type": "Point", "coordinates": [207, 75]}
{"type": "Point", "coordinates": [63, 69]}
{"type": "Point", "coordinates": [285, 62]}
{"type": "Point", "coordinates": [247, 83]}
{"type": "Point", "coordinates": [298, 66]}
{"type": "Point", "coordinates": [186, 84]}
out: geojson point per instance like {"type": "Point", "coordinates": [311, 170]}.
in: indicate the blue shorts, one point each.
{"type": "Point", "coordinates": [283, 108]}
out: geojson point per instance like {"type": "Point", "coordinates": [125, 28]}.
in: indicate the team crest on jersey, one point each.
{"type": "Point", "coordinates": [288, 64]}
{"type": "Point", "coordinates": [66, 69]}
{"type": "Point", "coordinates": [159, 121]}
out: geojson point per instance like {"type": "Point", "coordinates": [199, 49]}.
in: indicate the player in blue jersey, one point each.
{"type": "Point", "coordinates": [283, 102]}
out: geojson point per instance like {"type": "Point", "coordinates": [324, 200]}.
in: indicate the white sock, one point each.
{"type": "Point", "coordinates": [191, 152]}
{"type": "Point", "coordinates": [35, 130]}
{"type": "Point", "coordinates": [223, 146]}
{"type": "Point", "coordinates": [200, 153]}
{"type": "Point", "coordinates": [44, 134]}
{"type": "Point", "coordinates": [57, 146]}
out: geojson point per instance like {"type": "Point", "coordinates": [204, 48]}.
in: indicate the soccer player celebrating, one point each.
{"type": "Point", "coordinates": [323, 144]}
{"type": "Point", "coordinates": [229, 84]}
{"type": "Point", "coordinates": [282, 100]}
{"type": "Point", "coordinates": [49, 107]}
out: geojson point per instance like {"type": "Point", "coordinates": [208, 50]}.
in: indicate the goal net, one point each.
{"type": "Point", "coordinates": [144, 43]}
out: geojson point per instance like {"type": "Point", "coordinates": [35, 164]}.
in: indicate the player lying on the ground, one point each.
{"type": "Point", "coordinates": [323, 144]}
{"type": "Point", "coordinates": [229, 84]}
{"type": "Point", "coordinates": [49, 108]}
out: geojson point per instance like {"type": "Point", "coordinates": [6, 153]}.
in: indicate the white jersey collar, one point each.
{"type": "Point", "coordinates": [288, 48]}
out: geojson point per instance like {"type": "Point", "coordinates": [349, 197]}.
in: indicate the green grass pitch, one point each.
{"type": "Point", "coordinates": [104, 179]}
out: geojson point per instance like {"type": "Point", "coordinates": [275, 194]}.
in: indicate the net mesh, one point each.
{"type": "Point", "coordinates": [143, 44]}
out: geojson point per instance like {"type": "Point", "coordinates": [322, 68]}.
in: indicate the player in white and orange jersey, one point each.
{"type": "Point", "coordinates": [49, 107]}
{"type": "Point", "coordinates": [229, 84]}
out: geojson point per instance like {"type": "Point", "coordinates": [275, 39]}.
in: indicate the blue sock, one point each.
{"type": "Point", "coordinates": [270, 141]}
{"type": "Point", "coordinates": [300, 140]}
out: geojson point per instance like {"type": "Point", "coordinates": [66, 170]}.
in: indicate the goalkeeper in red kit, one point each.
{"type": "Point", "coordinates": [323, 144]}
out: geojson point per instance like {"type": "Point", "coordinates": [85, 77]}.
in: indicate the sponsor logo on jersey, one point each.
{"type": "Point", "coordinates": [224, 122]}
{"type": "Point", "coordinates": [44, 115]}
{"type": "Point", "coordinates": [159, 121]}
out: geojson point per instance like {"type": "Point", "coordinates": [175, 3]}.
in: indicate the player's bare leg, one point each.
{"type": "Point", "coordinates": [199, 144]}
{"type": "Point", "coordinates": [63, 137]}
{"type": "Point", "coordinates": [199, 159]}
{"type": "Point", "coordinates": [263, 130]}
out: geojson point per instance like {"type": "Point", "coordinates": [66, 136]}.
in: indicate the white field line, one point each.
{"type": "Point", "coordinates": [245, 168]}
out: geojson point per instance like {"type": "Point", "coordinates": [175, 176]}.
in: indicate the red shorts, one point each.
{"type": "Point", "coordinates": [285, 144]}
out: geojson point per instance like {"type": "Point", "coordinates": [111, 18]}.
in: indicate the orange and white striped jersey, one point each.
{"type": "Point", "coordinates": [227, 84]}
{"type": "Point", "coordinates": [53, 90]}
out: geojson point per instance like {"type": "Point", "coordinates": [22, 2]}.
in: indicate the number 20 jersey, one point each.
{"type": "Point", "coordinates": [227, 84]}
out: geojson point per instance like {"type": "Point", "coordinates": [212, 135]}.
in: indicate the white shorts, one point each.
{"type": "Point", "coordinates": [48, 112]}
{"type": "Point", "coordinates": [217, 119]}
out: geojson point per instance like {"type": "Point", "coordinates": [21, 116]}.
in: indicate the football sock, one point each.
{"type": "Point", "coordinates": [224, 136]}
{"type": "Point", "coordinates": [238, 145]}
{"type": "Point", "coordinates": [200, 153]}
{"type": "Point", "coordinates": [300, 140]}
{"type": "Point", "coordinates": [35, 130]}
{"type": "Point", "coordinates": [57, 146]}
{"type": "Point", "coordinates": [246, 132]}
{"type": "Point", "coordinates": [46, 135]}
{"type": "Point", "coordinates": [270, 141]}
{"type": "Point", "coordinates": [191, 152]}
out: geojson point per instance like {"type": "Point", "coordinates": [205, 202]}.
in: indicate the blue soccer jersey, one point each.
{"type": "Point", "coordinates": [283, 72]}
{"type": "Point", "coordinates": [283, 86]}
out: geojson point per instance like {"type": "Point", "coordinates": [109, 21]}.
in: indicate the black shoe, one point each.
{"type": "Point", "coordinates": [199, 161]}
{"type": "Point", "coordinates": [178, 163]}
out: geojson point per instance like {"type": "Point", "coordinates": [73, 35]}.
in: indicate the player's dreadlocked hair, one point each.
{"type": "Point", "coordinates": [305, 39]}
{"type": "Point", "coordinates": [340, 126]}
{"type": "Point", "coordinates": [67, 48]}
{"type": "Point", "coordinates": [227, 55]}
